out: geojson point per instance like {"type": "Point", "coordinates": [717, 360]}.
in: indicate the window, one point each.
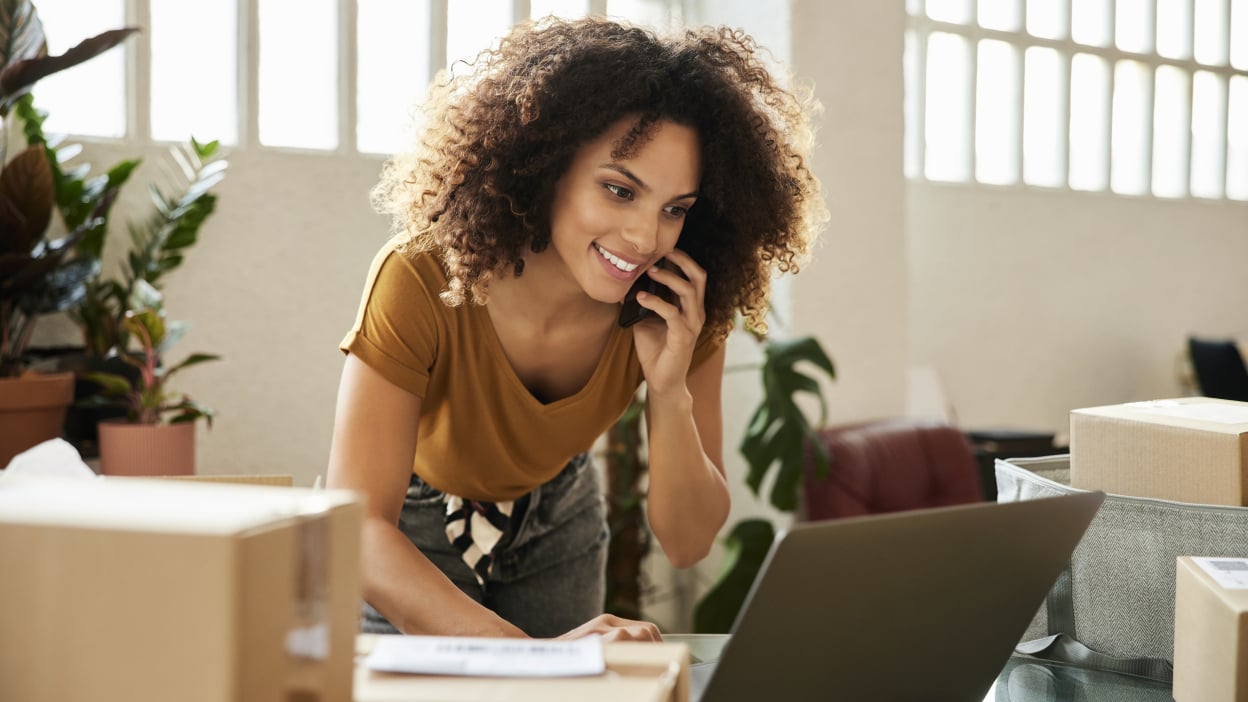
{"type": "Point", "coordinates": [338, 76]}
{"type": "Point", "coordinates": [1137, 97]}
{"type": "Point", "coordinates": [98, 83]}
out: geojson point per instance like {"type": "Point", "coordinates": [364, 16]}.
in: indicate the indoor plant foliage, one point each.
{"type": "Point", "coordinates": [146, 398]}
{"type": "Point", "coordinates": [157, 244]}
{"type": "Point", "coordinates": [39, 275]}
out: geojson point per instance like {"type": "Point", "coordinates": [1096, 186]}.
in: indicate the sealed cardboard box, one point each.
{"type": "Point", "coordinates": [654, 672]}
{"type": "Point", "coordinates": [1192, 449]}
{"type": "Point", "coordinates": [136, 590]}
{"type": "Point", "coordinates": [1211, 630]}
{"type": "Point", "coordinates": [276, 479]}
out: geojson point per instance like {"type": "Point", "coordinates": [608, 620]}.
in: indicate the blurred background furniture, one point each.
{"type": "Point", "coordinates": [1219, 368]}
{"type": "Point", "coordinates": [890, 465]}
{"type": "Point", "coordinates": [991, 444]}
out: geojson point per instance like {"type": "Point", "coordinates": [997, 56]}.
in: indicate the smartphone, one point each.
{"type": "Point", "coordinates": [631, 312]}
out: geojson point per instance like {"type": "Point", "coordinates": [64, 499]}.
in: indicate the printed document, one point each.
{"type": "Point", "coordinates": [448, 655]}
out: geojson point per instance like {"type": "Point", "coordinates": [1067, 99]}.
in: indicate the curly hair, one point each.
{"type": "Point", "coordinates": [477, 189]}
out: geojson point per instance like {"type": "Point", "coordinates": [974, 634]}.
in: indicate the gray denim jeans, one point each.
{"type": "Point", "coordinates": [549, 573]}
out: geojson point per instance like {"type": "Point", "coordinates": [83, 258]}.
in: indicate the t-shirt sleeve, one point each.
{"type": "Point", "coordinates": [396, 331]}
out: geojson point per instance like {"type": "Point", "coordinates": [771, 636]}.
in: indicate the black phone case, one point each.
{"type": "Point", "coordinates": [631, 312]}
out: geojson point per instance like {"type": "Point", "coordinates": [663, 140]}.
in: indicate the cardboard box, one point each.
{"type": "Point", "coordinates": [138, 590]}
{"type": "Point", "coordinates": [275, 479]}
{"type": "Point", "coordinates": [1193, 449]}
{"type": "Point", "coordinates": [636, 672]}
{"type": "Point", "coordinates": [1211, 630]}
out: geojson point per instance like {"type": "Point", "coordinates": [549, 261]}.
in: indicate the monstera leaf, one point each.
{"type": "Point", "coordinates": [778, 431]}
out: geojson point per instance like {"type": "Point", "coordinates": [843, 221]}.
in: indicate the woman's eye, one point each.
{"type": "Point", "coordinates": [619, 191]}
{"type": "Point", "coordinates": [677, 210]}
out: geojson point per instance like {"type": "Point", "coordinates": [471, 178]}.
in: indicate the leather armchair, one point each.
{"type": "Point", "coordinates": [889, 466]}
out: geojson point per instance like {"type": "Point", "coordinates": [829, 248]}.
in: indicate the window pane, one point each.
{"type": "Point", "coordinates": [570, 9]}
{"type": "Point", "coordinates": [950, 10]}
{"type": "Point", "coordinates": [1208, 134]}
{"type": "Point", "coordinates": [1130, 142]}
{"type": "Point", "coordinates": [996, 115]}
{"type": "Point", "coordinates": [1174, 28]}
{"type": "Point", "coordinates": [1089, 22]}
{"type": "Point", "coordinates": [1047, 19]}
{"type": "Point", "coordinates": [1211, 19]}
{"type": "Point", "coordinates": [194, 71]}
{"type": "Point", "coordinates": [1237, 141]}
{"type": "Point", "coordinates": [1239, 34]}
{"type": "Point", "coordinates": [1043, 113]}
{"type": "Point", "coordinates": [1170, 129]}
{"type": "Point", "coordinates": [473, 27]}
{"type": "Point", "coordinates": [1005, 15]}
{"type": "Point", "coordinates": [90, 97]}
{"type": "Point", "coordinates": [393, 70]}
{"type": "Point", "coordinates": [299, 73]}
{"type": "Point", "coordinates": [911, 105]}
{"type": "Point", "coordinates": [947, 122]}
{"type": "Point", "coordinates": [1089, 122]}
{"type": "Point", "coordinates": [1133, 27]}
{"type": "Point", "coordinates": [650, 13]}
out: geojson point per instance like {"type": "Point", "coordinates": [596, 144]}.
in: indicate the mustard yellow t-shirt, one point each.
{"type": "Point", "coordinates": [482, 434]}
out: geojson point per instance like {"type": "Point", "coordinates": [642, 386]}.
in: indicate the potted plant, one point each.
{"type": "Point", "coordinates": [157, 244]}
{"type": "Point", "coordinates": [39, 273]}
{"type": "Point", "coordinates": [157, 435]}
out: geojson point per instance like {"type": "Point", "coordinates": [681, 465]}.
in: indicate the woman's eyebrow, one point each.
{"type": "Point", "coordinates": [639, 182]}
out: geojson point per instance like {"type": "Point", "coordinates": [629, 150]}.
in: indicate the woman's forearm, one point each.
{"type": "Point", "coordinates": [688, 498]}
{"type": "Point", "coordinates": [414, 595]}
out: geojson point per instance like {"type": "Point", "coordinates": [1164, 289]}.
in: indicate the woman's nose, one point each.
{"type": "Point", "coordinates": [642, 233]}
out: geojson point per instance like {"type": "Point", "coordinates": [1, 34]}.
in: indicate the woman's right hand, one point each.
{"type": "Point", "coordinates": [613, 628]}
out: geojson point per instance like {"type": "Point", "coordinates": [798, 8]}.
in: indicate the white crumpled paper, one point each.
{"type": "Point", "coordinates": [54, 458]}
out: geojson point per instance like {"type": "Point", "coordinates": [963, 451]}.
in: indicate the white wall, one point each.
{"type": "Point", "coordinates": [272, 286]}
{"type": "Point", "coordinates": [1030, 304]}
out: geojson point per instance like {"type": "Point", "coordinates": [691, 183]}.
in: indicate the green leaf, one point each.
{"type": "Point", "coordinates": [788, 477]}
{"type": "Point", "coordinates": [205, 151]}
{"type": "Point", "coordinates": [147, 326]}
{"type": "Point", "coordinates": [746, 548]}
{"type": "Point", "coordinates": [144, 296]}
{"type": "Point", "coordinates": [110, 383]}
{"type": "Point", "coordinates": [192, 360]}
{"type": "Point", "coordinates": [181, 238]}
{"type": "Point", "coordinates": [778, 431]}
{"type": "Point", "coordinates": [806, 348]}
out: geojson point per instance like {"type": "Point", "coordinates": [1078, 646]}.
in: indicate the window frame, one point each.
{"type": "Point", "coordinates": [919, 27]}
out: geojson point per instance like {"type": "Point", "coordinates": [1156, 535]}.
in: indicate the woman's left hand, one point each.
{"type": "Point", "coordinates": [665, 343]}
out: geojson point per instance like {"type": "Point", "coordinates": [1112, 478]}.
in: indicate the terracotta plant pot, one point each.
{"type": "Point", "coordinates": [147, 449]}
{"type": "Point", "coordinates": [32, 410]}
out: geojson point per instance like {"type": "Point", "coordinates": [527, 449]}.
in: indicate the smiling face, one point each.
{"type": "Point", "coordinates": [611, 219]}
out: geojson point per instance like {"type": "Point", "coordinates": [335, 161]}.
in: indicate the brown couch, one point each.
{"type": "Point", "coordinates": [889, 466]}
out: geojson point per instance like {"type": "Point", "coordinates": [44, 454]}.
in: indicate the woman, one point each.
{"type": "Point", "coordinates": [488, 353]}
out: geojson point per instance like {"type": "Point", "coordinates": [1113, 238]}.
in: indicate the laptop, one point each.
{"type": "Point", "coordinates": [925, 605]}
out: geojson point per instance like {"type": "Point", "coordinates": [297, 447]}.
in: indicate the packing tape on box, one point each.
{"type": "Point", "coordinates": [309, 637]}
